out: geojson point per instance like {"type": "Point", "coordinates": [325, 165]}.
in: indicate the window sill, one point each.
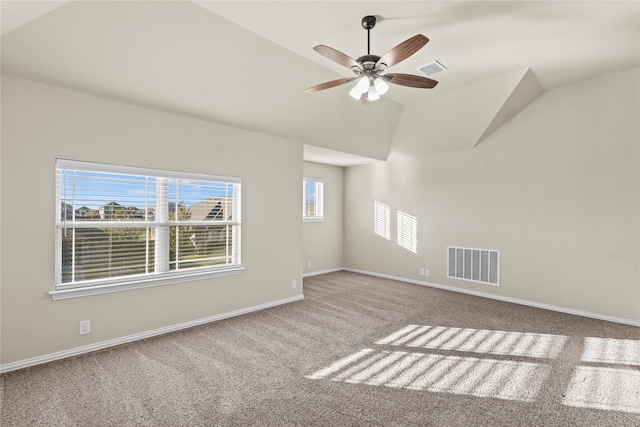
{"type": "Point", "coordinates": [318, 219]}
{"type": "Point", "coordinates": [140, 283]}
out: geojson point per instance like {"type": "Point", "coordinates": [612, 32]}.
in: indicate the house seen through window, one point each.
{"type": "Point", "coordinates": [120, 224]}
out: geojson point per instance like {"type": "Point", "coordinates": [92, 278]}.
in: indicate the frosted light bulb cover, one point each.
{"type": "Point", "coordinates": [355, 93]}
{"type": "Point", "coordinates": [363, 84]}
{"type": "Point", "coordinates": [372, 95]}
{"type": "Point", "coordinates": [381, 86]}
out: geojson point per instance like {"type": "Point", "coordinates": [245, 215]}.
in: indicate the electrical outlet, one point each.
{"type": "Point", "coordinates": [84, 327]}
{"type": "Point", "coordinates": [294, 284]}
{"type": "Point", "coordinates": [308, 264]}
{"type": "Point", "coordinates": [422, 271]}
{"type": "Point", "coordinates": [426, 272]}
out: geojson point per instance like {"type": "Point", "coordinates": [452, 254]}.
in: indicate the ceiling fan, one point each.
{"type": "Point", "coordinates": [368, 69]}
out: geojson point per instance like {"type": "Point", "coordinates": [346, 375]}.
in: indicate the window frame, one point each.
{"type": "Point", "coordinates": [318, 200]}
{"type": "Point", "coordinates": [164, 275]}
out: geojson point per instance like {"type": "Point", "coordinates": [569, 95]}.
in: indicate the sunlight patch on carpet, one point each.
{"type": "Point", "coordinates": [477, 341]}
{"type": "Point", "coordinates": [610, 389]}
{"type": "Point", "coordinates": [501, 379]}
{"type": "Point", "coordinates": [615, 387]}
{"type": "Point", "coordinates": [609, 350]}
{"type": "Point", "coordinates": [339, 365]}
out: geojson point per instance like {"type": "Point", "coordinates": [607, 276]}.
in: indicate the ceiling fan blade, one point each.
{"type": "Point", "coordinates": [328, 85]}
{"type": "Point", "coordinates": [403, 50]}
{"type": "Point", "coordinates": [410, 80]}
{"type": "Point", "coordinates": [336, 56]}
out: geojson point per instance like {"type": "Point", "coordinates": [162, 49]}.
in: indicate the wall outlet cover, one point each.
{"type": "Point", "coordinates": [84, 327]}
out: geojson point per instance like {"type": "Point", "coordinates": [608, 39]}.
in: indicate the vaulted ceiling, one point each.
{"type": "Point", "coordinates": [246, 64]}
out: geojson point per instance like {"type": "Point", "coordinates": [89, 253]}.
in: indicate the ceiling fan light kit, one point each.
{"type": "Point", "coordinates": [370, 82]}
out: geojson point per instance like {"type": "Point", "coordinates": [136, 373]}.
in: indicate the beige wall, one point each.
{"type": "Point", "coordinates": [322, 241]}
{"type": "Point", "coordinates": [555, 189]}
{"type": "Point", "coordinates": [41, 123]}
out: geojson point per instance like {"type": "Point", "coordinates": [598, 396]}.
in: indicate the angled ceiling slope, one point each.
{"type": "Point", "coordinates": [483, 108]}
{"type": "Point", "coordinates": [460, 119]}
{"type": "Point", "coordinates": [526, 89]}
{"type": "Point", "coordinates": [166, 56]}
{"type": "Point", "coordinates": [113, 49]}
{"type": "Point", "coordinates": [17, 13]}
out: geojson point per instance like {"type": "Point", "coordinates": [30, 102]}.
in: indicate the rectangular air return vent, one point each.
{"type": "Point", "coordinates": [432, 68]}
{"type": "Point", "coordinates": [474, 265]}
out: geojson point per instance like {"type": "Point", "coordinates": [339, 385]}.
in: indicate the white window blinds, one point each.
{"type": "Point", "coordinates": [382, 220]}
{"type": "Point", "coordinates": [116, 223]}
{"type": "Point", "coordinates": [312, 199]}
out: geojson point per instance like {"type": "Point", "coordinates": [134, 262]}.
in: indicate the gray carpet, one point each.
{"type": "Point", "coordinates": [357, 351]}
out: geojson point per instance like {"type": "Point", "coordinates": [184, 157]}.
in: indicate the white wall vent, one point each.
{"type": "Point", "coordinates": [474, 265]}
{"type": "Point", "coordinates": [432, 68]}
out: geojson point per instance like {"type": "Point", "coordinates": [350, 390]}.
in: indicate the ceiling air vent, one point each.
{"type": "Point", "coordinates": [432, 68]}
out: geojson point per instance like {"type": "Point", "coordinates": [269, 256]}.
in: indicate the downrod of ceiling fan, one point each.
{"type": "Point", "coordinates": [368, 22]}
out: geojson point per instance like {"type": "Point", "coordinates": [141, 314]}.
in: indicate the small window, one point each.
{"type": "Point", "coordinates": [312, 195]}
{"type": "Point", "coordinates": [120, 225]}
{"type": "Point", "coordinates": [407, 231]}
{"type": "Point", "coordinates": [382, 220]}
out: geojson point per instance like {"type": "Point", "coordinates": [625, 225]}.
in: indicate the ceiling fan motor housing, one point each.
{"type": "Point", "coordinates": [368, 66]}
{"type": "Point", "coordinates": [368, 62]}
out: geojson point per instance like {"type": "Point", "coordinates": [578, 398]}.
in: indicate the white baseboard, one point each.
{"type": "Point", "coordinates": [123, 340]}
{"type": "Point", "coordinates": [135, 337]}
{"type": "Point", "coordinates": [503, 298]}
{"type": "Point", "coordinates": [317, 273]}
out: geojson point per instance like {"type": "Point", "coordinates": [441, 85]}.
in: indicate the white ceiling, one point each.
{"type": "Point", "coordinates": [562, 42]}
{"type": "Point", "coordinates": [247, 63]}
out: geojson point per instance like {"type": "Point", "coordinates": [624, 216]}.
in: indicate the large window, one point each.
{"type": "Point", "coordinates": [122, 226]}
{"type": "Point", "coordinates": [312, 209]}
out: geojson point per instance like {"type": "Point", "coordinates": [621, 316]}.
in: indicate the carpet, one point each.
{"type": "Point", "coordinates": [357, 351]}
